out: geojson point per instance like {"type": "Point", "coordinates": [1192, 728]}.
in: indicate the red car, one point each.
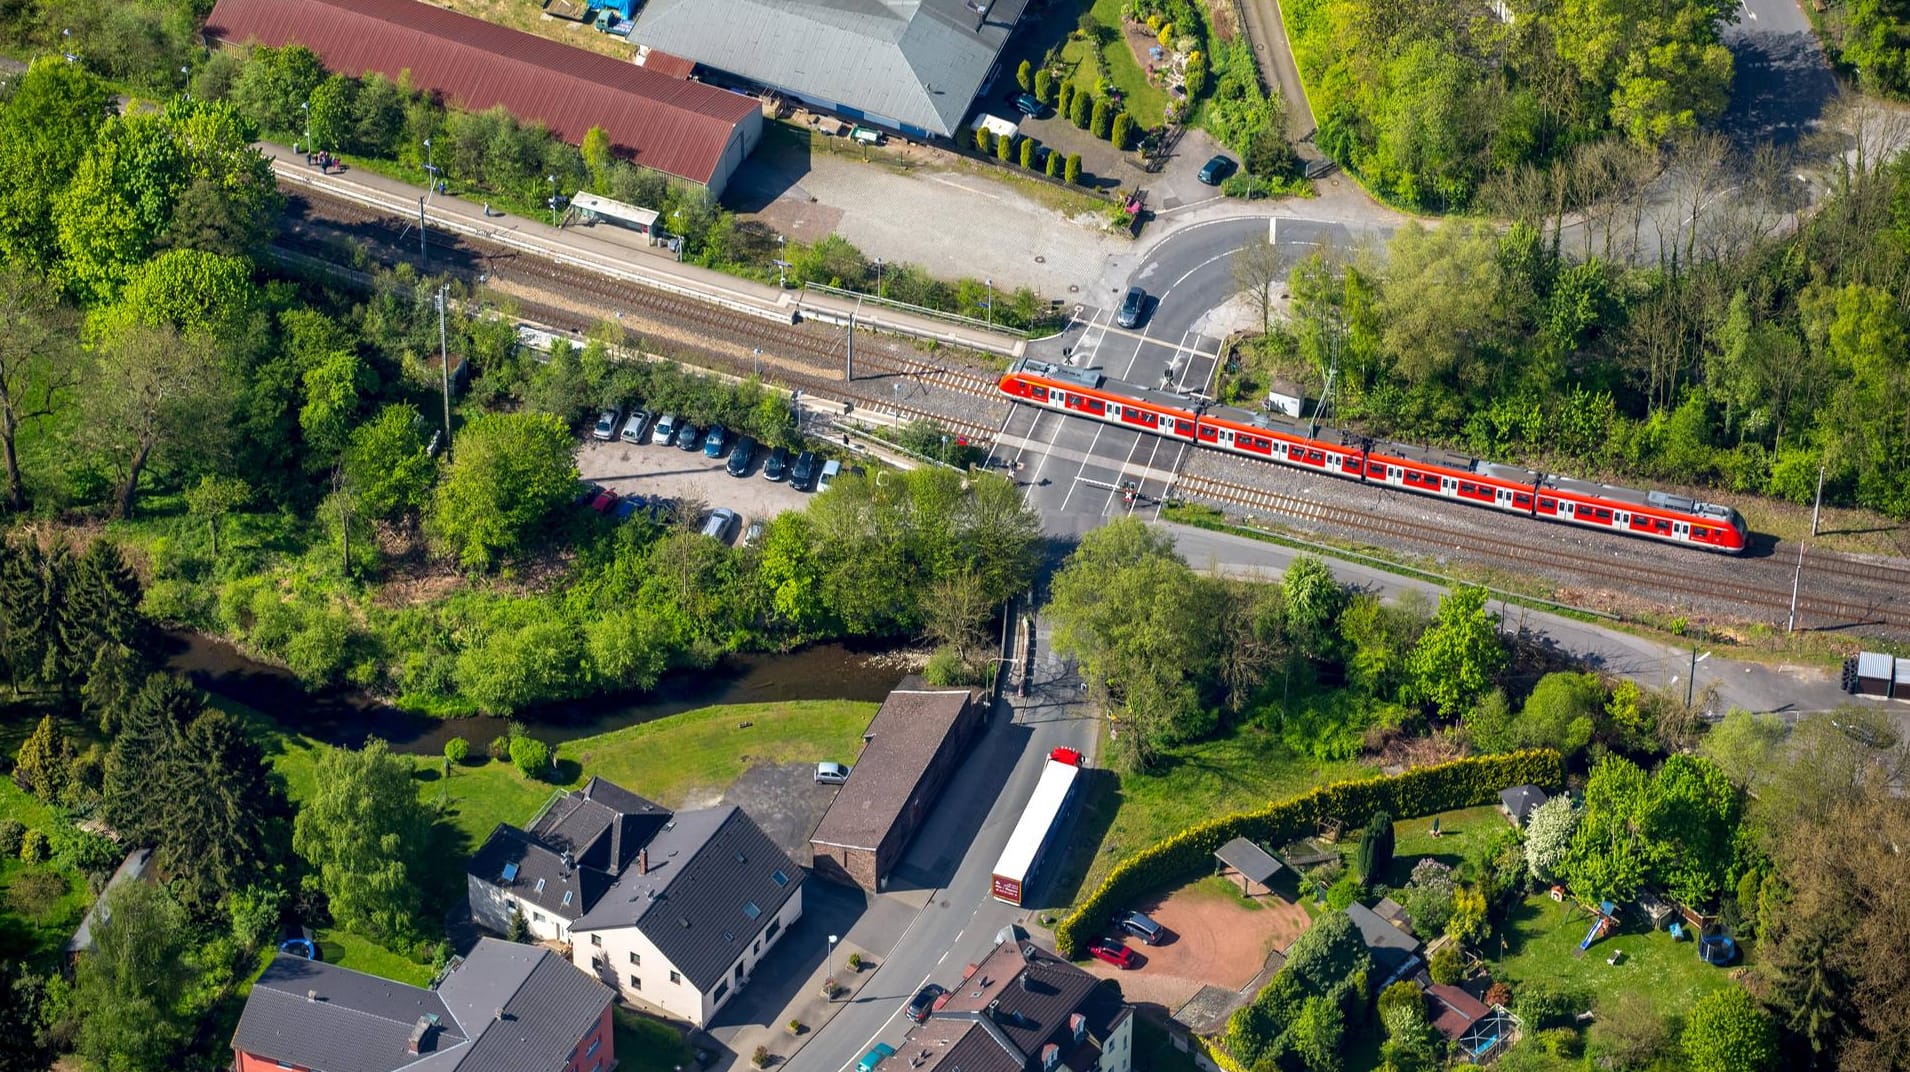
{"type": "Point", "coordinates": [1066, 755]}
{"type": "Point", "coordinates": [604, 501]}
{"type": "Point", "coordinates": [1113, 952]}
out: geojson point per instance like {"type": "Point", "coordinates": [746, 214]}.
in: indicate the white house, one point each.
{"type": "Point", "coordinates": [675, 910]}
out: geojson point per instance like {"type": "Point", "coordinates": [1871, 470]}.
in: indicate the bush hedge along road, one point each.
{"type": "Point", "coordinates": [1462, 783]}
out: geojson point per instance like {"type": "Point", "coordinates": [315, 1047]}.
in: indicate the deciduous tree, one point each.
{"type": "Point", "coordinates": [1457, 656]}
{"type": "Point", "coordinates": [149, 393]}
{"type": "Point", "coordinates": [36, 357]}
{"type": "Point", "coordinates": [125, 1012]}
{"type": "Point", "coordinates": [510, 471]}
{"type": "Point", "coordinates": [47, 127]}
{"type": "Point", "coordinates": [363, 832]}
{"type": "Point", "coordinates": [1727, 1032]}
{"type": "Point", "coordinates": [1548, 831]}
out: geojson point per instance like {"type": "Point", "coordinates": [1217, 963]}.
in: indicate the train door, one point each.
{"type": "Point", "coordinates": [1621, 519]}
{"type": "Point", "coordinates": [1395, 475]}
{"type": "Point", "coordinates": [1504, 498]}
{"type": "Point", "coordinates": [1681, 530]}
{"type": "Point", "coordinates": [1448, 486]}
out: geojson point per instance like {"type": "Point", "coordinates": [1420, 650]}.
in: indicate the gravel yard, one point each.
{"type": "Point", "coordinates": [653, 471]}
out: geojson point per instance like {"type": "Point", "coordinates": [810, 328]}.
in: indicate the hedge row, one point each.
{"type": "Point", "coordinates": [1463, 783]}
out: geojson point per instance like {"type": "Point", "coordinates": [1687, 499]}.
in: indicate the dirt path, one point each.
{"type": "Point", "coordinates": [1267, 30]}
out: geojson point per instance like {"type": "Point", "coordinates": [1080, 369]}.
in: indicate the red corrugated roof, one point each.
{"type": "Point", "coordinates": [664, 63]}
{"type": "Point", "coordinates": [1457, 1010]}
{"type": "Point", "coordinates": [660, 122]}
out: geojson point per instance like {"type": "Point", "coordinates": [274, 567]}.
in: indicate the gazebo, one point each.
{"type": "Point", "coordinates": [1253, 866]}
{"type": "Point", "coordinates": [1519, 801]}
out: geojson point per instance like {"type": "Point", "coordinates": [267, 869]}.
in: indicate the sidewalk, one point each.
{"type": "Point", "coordinates": [613, 253]}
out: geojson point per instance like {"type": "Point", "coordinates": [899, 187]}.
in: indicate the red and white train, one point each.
{"type": "Point", "coordinates": [1654, 515]}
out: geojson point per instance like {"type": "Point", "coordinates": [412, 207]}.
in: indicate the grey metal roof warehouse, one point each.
{"type": "Point", "coordinates": [912, 65]}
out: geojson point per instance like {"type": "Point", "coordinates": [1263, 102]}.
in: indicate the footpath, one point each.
{"type": "Point", "coordinates": [620, 254]}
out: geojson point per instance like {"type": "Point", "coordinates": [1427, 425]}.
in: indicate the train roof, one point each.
{"type": "Point", "coordinates": [1093, 380]}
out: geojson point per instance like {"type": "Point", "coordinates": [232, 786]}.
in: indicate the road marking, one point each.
{"type": "Point", "coordinates": [1098, 429]}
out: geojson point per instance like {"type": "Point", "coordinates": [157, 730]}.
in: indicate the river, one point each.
{"type": "Point", "coordinates": [348, 717]}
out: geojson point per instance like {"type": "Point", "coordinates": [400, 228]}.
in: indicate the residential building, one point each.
{"type": "Point", "coordinates": [910, 749]}
{"type": "Point", "coordinates": [690, 130]}
{"type": "Point", "coordinates": [1023, 1009]}
{"type": "Point", "coordinates": [674, 910]}
{"type": "Point", "coordinates": [505, 1008]}
{"type": "Point", "coordinates": [1395, 952]}
{"type": "Point", "coordinates": [913, 66]}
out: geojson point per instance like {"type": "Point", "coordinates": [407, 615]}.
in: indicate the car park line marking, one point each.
{"type": "Point", "coordinates": [1072, 484]}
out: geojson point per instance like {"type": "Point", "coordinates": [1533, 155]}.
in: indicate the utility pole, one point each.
{"type": "Point", "coordinates": [444, 366]}
{"type": "Point", "coordinates": [1817, 507]}
{"type": "Point", "coordinates": [1797, 581]}
{"type": "Point", "coordinates": [849, 351]}
{"type": "Point", "coordinates": [424, 256]}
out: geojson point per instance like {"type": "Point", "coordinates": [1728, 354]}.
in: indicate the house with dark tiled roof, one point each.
{"type": "Point", "coordinates": [672, 909]}
{"type": "Point", "coordinates": [1519, 802]}
{"type": "Point", "coordinates": [504, 1008]}
{"type": "Point", "coordinates": [1023, 1009]}
{"type": "Point", "coordinates": [1395, 952]}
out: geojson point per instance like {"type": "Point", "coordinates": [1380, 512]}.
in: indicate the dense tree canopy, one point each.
{"type": "Point", "coordinates": [363, 835]}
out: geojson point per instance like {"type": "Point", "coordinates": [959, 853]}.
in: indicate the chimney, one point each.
{"type": "Point", "coordinates": [569, 864]}
{"type": "Point", "coordinates": [419, 1032]}
{"type": "Point", "coordinates": [1023, 978]}
{"type": "Point", "coordinates": [497, 1014]}
{"type": "Point", "coordinates": [643, 861]}
{"type": "Point", "coordinates": [311, 995]}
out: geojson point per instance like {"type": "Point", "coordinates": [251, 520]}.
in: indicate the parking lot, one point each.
{"type": "Point", "coordinates": [658, 471]}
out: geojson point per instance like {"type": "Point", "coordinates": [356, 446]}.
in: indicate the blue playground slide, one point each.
{"type": "Point", "coordinates": [1598, 927]}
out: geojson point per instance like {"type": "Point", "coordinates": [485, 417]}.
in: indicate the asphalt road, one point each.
{"type": "Point", "coordinates": [1074, 467]}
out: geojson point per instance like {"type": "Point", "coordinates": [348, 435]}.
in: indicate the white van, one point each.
{"type": "Point", "coordinates": [830, 469]}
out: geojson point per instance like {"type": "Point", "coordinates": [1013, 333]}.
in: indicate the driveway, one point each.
{"type": "Point", "coordinates": [653, 471]}
{"type": "Point", "coordinates": [785, 801]}
{"type": "Point", "coordinates": [1214, 938]}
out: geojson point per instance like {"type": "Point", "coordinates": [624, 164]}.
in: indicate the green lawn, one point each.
{"type": "Point", "coordinates": [362, 954]}
{"type": "Point", "coordinates": [1541, 943]}
{"type": "Point", "coordinates": [1145, 101]}
{"type": "Point", "coordinates": [645, 1045]}
{"type": "Point", "coordinates": [42, 931]}
{"type": "Point", "coordinates": [1247, 769]}
{"type": "Point", "coordinates": [1412, 839]}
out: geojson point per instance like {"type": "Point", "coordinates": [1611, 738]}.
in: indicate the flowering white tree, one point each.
{"type": "Point", "coordinates": [1547, 832]}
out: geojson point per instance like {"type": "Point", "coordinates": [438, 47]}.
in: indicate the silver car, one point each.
{"type": "Point", "coordinates": [719, 524]}
{"type": "Point", "coordinates": [831, 773]}
{"type": "Point", "coordinates": [606, 425]}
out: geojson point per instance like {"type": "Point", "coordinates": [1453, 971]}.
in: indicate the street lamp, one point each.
{"type": "Point", "coordinates": [878, 278]}
{"type": "Point", "coordinates": [990, 284]}
{"type": "Point", "coordinates": [756, 359]}
{"type": "Point", "coordinates": [306, 107]}
{"type": "Point", "coordinates": [552, 179]}
{"type": "Point", "coordinates": [832, 958]}
{"type": "Point", "coordinates": [430, 167]}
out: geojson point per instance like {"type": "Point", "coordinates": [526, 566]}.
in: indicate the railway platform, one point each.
{"type": "Point", "coordinates": [628, 257]}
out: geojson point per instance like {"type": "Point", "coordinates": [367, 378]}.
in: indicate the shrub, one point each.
{"type": "Point", "coordinates": [1541, 1005]}
{"type": "Point", "coordinates": [531, 756]}
{"type": "Point", "coordinates": [519, 930]}
{"type": "Point", "coordinates": [33, 846]}
{"type": "Point", "coordinates": [760, 1058]}
{"type": "Point", "coordinates": [1100, 117]}
{"type": "Point", "coordinates": [1498, 994]}
{"type": "Point", "coordinates": [1004, 149]}
{"type": "Point", "coordinates": [1376, 847]}
{"type": "Point", "coordinates": [1404, 994]}
{"type": "Point", "coordinates": [1044, 86]}
{"type": "Point", "coordinates": [456, 749]}
{"type": "Point", "coordinates": [1028, 152]}
{"type": "Point", "coordinates": [11, 831]}
{"type": "Point", "coordinates": [1064, 98]}
{"type": "Point", "coordinates": [1025, 76]}
{"type": "Point", "coordinates": [1196, 74]}
{"type": "Point", "coordinates": [855, 962]}
{"type": "Point", "coordinates": [984, 140]}
{"type": "Point", "coordinates": [1053, 164]}
{"type": "Point", "coordinates": [795, 1027]}
{"type": "Point", "coordinates": [1081, 111]}
{"type": "Point", "coordinates": [1071, 169]}
{"type": "Point", "coordinates": [1119, 131]}
{"type": "Point", "coordinates": [1344, 891]}
{"type": "Point", "coordinates": [500, 748]}
{"type": "Point", "coordinates": [35, 893]}
{"type": "Point", "coordinates": [1462, 783]}
{"type": "Point", "coordinates": [1448, 966]}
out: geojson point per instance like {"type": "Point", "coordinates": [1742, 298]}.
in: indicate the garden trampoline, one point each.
{"type": "Point", "coordinates": [300, 947]}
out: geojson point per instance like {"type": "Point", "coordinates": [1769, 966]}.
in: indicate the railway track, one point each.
{"type": "Point", "coordinates": [1814, 611]}
{"type": "Point", "coordinates": [802, 357]}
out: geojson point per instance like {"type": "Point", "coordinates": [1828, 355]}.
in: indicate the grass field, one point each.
{"type": "Point", "coordinates": [645, 1045]}
{"type": "Point", "coordinates": [36, 931]}
{"type": "Point", "coordinates": [1541, 943]}
{"type": "Point", "coordinates": [1145, 101]}
{"type": "Point", "coordinates": [1194, 783]}
{"type": "Point", "coordinates": [362, 954]}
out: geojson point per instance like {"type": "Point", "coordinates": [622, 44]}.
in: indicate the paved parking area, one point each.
{"type": "Point", "coordinates": [653, 471]}
{"type": "Point", "coordinates": [785, 801]}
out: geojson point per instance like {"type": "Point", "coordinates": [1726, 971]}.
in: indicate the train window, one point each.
{"type": "Point", "coordinates": [1074, 400]}
{"type": "Point", "coordinates": [1700, 533]}
{"type": "Point", "coordinates": [1466, 488]}
{"type": "Point", "coordinates": [1095, 405]}
{"type": "Point", "coordinates": [1375, 469]}
{"type": "Point", "coordinates": [1315, 456]}
{"type": "Point", "coordinates": [1038, 392]}
{"type": "Point", "coordinates": [1602, 515]}
{"type": "Point", "coordinates": [1661, 525]}
{"type": "Point", "coordinates": [1522, 500]}
{"type": "Point", "coordinates": [1548, 505]}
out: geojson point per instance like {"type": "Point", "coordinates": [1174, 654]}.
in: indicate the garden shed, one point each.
{"type": "Point", "coordinates": [1519, 801]}
{"type": "Point", "coordinates": [1252, 866]}
{"type": "Point", "coordinates": [1875, 673]}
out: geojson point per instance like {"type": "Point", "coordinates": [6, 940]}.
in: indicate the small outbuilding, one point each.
{"type": "Point", "coordinates": [910, 750]}
{"type": "Point", "coordinates": [1395, 952]}
{"type": "Point", "coordinates": [1252, 866]}
{"type": "Point", "coordinates": [1519, 802]}
{"type": "Point", "coordinates": [1479, 1030]}
{"type": "Point", "coordinates": [1875, 673]}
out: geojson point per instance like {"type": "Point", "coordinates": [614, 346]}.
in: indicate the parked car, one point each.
{"type": "Point", "coordinates": [1029, 105]}
{"type": "Point", "coordinates": [831, 773]}
{"type": "Point", "coordinates": [719, 523]}
{"type": "Point", "coordinates": [689, 437]}
{"type": "Point", "coordinates": [605, 500]}
{"type": "Point", "coordinates": [776, 466]}
{"type": "Point", "coordinates": [606, 425]}
{"type": "Point", "coordinates": [1140, 926]}
{"type": "Point", "coordinates": [875, 1057]}
{"type": "Point", "coordinates": [633, 426]}
{"type": "Point", "coordinates": [665, 430]}
{"type": "Point", "coordinates": [663, 511]}
{"type": "Point", "coordinates": [1069, 756]}
{"type": "Point", "coordinates": [586, 491]}
{"type": "Point", "coordinates": [629, 507]}
{"type": "Point", "coordinates": [803, 473]}
{"type": "Point", "coordinates": [714, 441]}
{"type": "Point", "coordinates": [830, 470]}
{"type": "Point", "coordinates": [1113, 951]}
{"type": "Point", "coordinates": [753, 533]}
{"type": "Point", "coordinates": [1132, 307]}
{"type": "Point", "coordinates": [923, 1002]}
{"type": "Point", "coordinates": [1215, 171]}
{"type": "Point", "coordinates": [741, 455]}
